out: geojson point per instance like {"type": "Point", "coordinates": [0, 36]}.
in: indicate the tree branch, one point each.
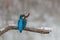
{"type": "Point", "coordinates": [42, 31]}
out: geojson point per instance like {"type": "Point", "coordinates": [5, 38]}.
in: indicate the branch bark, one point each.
{"type": "Point", "coordinates": [42, 31]}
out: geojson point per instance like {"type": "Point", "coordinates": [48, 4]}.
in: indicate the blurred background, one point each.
{"type": "Point", "coordinates": [43, 13]}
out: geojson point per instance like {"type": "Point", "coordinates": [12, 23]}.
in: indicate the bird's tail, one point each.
{"type": "Point", "coordinates": [20, 29]}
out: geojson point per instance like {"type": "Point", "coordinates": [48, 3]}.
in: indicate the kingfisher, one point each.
{"type": "Point", "coordinates": [22, 22]}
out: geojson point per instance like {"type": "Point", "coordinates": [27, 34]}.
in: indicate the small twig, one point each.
{"type": "Point", "coordinates": [27, 29]}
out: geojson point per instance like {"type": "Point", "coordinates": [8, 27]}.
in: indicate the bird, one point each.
{"type": "Point", "coordinates": [22, 22]}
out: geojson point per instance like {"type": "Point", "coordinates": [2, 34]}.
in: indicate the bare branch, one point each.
{"type": "Point", "coordinates": [42, 31]}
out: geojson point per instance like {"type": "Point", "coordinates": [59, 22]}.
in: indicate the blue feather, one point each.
{"type": "Point", "coordinates": [24, 23]}
{"type": "Point", "coordinates": [21, 24]}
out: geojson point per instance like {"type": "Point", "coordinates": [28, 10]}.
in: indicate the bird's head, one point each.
{"type": "Point", "coordinates": [24, 15]}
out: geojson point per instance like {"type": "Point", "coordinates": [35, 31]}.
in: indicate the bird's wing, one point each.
{"type": "Point", "coordinates": [20, 25]}
{"type": "Point", "coordinates": [24, 23]}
